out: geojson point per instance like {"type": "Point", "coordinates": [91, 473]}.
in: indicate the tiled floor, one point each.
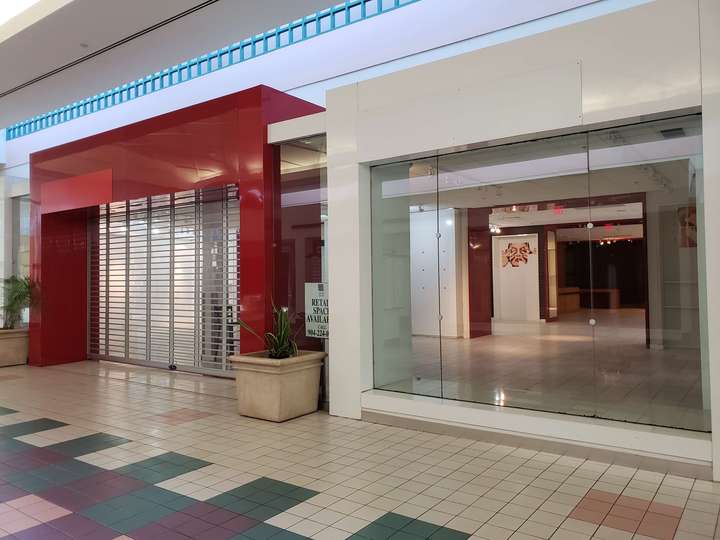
{"type": "Point", "coordinates": [566, 366]}
{"type": "Point", "coordinates": [103, 451]}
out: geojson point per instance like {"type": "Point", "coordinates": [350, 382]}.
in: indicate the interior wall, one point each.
{"type": "Point", "coordinates": [395, 296]}
{"type": "Point", "coordinates": [516, 287]}
{"type": "Point", "coordinates": [433, 264]}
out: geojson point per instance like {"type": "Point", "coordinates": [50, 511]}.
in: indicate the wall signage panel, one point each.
{"type": "Point", "coordinates": [316, 310]}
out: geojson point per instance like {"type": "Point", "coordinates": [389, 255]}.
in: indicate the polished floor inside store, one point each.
{"type": "Point", "coordinates": [562, 367]}
{"type": "Point", "coordinates": [107, 451]}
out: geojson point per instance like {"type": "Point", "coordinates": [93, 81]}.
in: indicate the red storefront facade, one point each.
{"type": "Point", "coordinates": [212, 144]}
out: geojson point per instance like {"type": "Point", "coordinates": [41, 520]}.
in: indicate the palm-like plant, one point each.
{"type": "Point", "coordinates": [280, 343]}
{"type": "Point", "coordinates": [18, 296]}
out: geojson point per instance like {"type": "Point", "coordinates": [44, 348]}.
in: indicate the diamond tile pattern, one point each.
{"type": "Point", "coordinates": [32, 426]}
{"type": "Point", "coordinates": [87, 444]}
{"type": "Point", "coordinates": [263, 498]}
{"type": "Point", "coordinates": [163, 467]}
{"type": "Point", "coordinates": [146, 473]}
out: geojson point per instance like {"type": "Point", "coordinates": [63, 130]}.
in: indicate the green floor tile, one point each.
{"type": "Point", "coordinates": [420, 529]}
{"type": "Point", "coordinates": [179, 504]}
{"type": "Point", "coordinates": [163, 467]}
{"type": "Point", "coordinates": [262, 531]}
{"type": "Point", "coordinates": [262, 497]}
{"type": "Point", "coordinates": [27, 428]}
{"type": "Point", "coordinates": [140, 520]}
{"type": "Point", "coordinates": [156, 494]}
{"type": "Point", "coordinates": [282, 503]}
{"type": "Point", "coordinates": [244, 491]}
{"type": "Point", "coordinates": [9, 445]}
{"type": "Point", "coordinates": [130, 502]}
{"type": "Point", "coordinates": [29, 482]}
{"type": "Point", "coordinates": [261, 513]}
{"type": "Point", "coordinates": [288, 535]}
{"type": "Point", "coordinates": [223, 500]}
{"type": "Point", "coordinates": [281, 488]}
{"type": "Point", "coordinates": [154, 477]}
{"type": "Point", "coordinates": [242, 506]}
{"type": "Point", "coordinates": [263, 482]}
{"type": "Point", "coordinates": [88, 444]}
{"type": "Point", "coordinates": [108, 515]}
{"type": "Point", "coordinates": [376, 532]}
{"type": "Point", "coordinates": [443, 533]}
{"type": "Point", "coordinates": [80, 467]}
{"type": "Point", "coordinates": [394, 521]}
{"type": "Point", "coordinates": [56, 475]}
{"type": "Point", "coordinates": [302, 494]}
{"type": "Point", "coordinates": [401, 535]}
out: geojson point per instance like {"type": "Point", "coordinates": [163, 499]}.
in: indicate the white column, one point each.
{"type": "Point", "coordinates": [350, 347]}
{"type": "Point", "coordinates": [710, 65]}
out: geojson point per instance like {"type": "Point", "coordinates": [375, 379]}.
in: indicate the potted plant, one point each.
{"type": "Point", "coordinates": [281, 382]}
{"type": "Point", "coordinates": [18, 294]}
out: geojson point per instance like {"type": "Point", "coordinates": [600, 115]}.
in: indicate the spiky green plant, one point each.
{"type": "Point", "coordinates": [280, 343]}
{"type": "Point", "coordinates": [18, 295]}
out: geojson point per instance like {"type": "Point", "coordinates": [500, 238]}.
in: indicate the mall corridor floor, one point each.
{"type": "Point", "coordinates": [103, 451]}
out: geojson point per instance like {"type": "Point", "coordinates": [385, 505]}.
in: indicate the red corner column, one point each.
{"type": "Point", "coordinates": [479, 251]}
{"type": "Point", "coordinates": [59, 262]}
{"type": "Point", "coordinates": [259, 190]}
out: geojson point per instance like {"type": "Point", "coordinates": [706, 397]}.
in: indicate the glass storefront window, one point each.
{"type": "Point", "coordinates": [406, 325]}
{"type": "Point", "coordinates": [303, 245]}
{"type": "Point", "coordinates": [303, 219]}
{"type": "Point", "coordinates": [558, 275]}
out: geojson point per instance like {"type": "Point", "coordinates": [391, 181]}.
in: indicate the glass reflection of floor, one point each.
{"type": "Point", "coordinates": [562, 369]}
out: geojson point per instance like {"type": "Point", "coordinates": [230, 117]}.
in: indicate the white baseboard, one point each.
{"type": "Point", "coordinates": [656, 442]}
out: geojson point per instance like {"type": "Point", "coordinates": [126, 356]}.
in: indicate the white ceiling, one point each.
{"type": "Point", "coordinates": [55, 40]}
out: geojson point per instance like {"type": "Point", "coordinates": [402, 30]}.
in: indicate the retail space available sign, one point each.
{"type": "Point", "coordinates": [316, 310]}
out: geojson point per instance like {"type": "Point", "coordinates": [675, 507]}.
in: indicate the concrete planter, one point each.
{"type": "Point", "coordinates": [278, 390]}
{"type": "Point", "coordinates": [13, 347]}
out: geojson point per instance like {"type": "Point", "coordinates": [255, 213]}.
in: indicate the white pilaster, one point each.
{"type": "Point", "coordinates": [710, 69]}
{"type": "Point", "coordinates": [348, 258]}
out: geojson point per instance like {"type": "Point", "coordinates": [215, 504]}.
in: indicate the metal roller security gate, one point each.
{"type": "Point", "coordinates": [163, 280]}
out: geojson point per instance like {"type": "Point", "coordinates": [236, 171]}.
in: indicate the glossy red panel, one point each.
{"type": "Point", "coordinates": [58, 323]}
{"type": "Point", "coordinates": [215, 143]}
{"type": "Point", "coordinates": [74, 192]}
{"type": "Point", "coordinates": [300, 246]}
{"type": "Point", "coordinates": [479, 272]}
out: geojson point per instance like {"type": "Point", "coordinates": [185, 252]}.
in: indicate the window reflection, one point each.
{"type": "Point", "coordinates": [559, 275]}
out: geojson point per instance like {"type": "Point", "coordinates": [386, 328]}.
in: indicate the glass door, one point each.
{"type": "Point", "coordinates": [514, 275]}
{"type": "Point", "coordinates": [646, 192]}
{"type": "Point", "coordinates": [405, 236]}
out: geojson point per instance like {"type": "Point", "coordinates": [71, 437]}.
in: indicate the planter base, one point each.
{"type": "Point", "coordinates": [277, 390]}
{"type": "Point", "coordinates": [13, 347]}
